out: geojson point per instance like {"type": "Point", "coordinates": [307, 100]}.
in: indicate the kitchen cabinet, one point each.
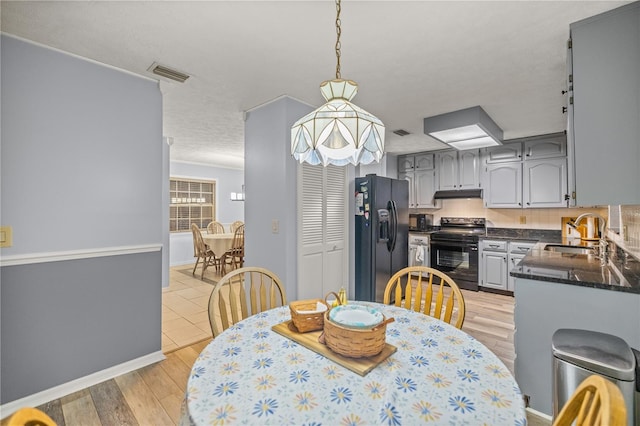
{"type": "Point", "coordinates": [517, 251]}
{"type": "Point", "coordinates": [497, 259]}
{"type": "Point", "coordinates": [538, 178]}
{"type": "Point", "coordinates": [544, 183]}
{"type": "Point", "coordinates": [415, 162]}
{"type": "Point", "coordinates": [604, 106]}
{"type": "Point", "coordinates": [419, 171]}
{"type": "Point", "coordinates": [503, 185]}
{"type": "Point", "coordinates": [458, 169]}
{"type": "Point", "coordinates": [493, 264]}
{"type": "Point", "coordinates": [545, 147]}
{"type": "Point", "coordinates": [503, 153]}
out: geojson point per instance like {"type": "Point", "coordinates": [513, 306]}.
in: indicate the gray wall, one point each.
{"type": "Point", "coordinates": [81, 171]}
{"type": "Point", "coordinates": [227, 211]}
{"type": "Point", "coordinates": [271, 185]}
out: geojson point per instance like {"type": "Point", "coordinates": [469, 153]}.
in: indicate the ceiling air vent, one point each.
{"type": "Point", "coordinates": [167, 72]}
{"type": "Point", "coordinates": [401, 132]}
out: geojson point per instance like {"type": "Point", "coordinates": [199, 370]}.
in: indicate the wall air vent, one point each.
{"type": "Point", "coordinates": [401, 132]}
{"type": "Point", "coordinates": [166, 72]}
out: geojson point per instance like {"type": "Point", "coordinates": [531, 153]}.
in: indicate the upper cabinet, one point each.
{"type": "Point", "coordinates": [528, 173]}
{"type": "Point", "coordinates": [458, 169]}
{"type": "Point", "coordinates": [418, 170]}
{"type": "Point", "coordinates": [415, 162]}
{"type": "Point", "coordinates": [604, 106]}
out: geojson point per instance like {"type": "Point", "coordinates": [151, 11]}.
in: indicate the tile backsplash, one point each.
{"type": "Point", "coordinates": [508, 218]}
{"type": "Point", "coordinates": [629, 222]}
{"type": "Point", "coordinates": [629, 237]}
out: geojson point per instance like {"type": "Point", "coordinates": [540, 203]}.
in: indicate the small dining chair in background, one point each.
{"type": "Point", "coordinates": [235, 225]}
{"type": "Point", "coordinates": [215, 228]}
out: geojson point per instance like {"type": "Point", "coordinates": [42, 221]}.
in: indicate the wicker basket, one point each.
{"type": "Point", "coordinates": [306, 322]}
{"type": "Point", "coordinates": [355, 343]}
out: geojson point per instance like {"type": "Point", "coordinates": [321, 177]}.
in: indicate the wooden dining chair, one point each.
{"type": "Point", "coordinates": [596, 402]}
{"type": "Point", "coordinates": [234, 257]}
{"type": "Point", "coordinates": [235, 225]}
{"type": "Point", "coordinates": [429, 291]}
{"type": "Point", "coordinates": [29, 416]}
{"type": "Point", "coordinates": [202, 252]}
{"type": "Point", "coordinates": [241, 293]}
{"type": "Point", "coordinates": [215, 228]}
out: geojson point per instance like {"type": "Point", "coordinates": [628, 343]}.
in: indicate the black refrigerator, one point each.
{"type": "Point", "coordinates": [381, 233]}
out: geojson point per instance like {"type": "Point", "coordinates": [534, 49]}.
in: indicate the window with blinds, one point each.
{"type": "Point", "coordinates": [192, 201]}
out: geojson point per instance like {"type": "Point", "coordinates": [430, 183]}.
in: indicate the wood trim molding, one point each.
{"type": "Point", "coordinates": [78, 384]}
{"type": "Point", "coordinates": [58, 256]}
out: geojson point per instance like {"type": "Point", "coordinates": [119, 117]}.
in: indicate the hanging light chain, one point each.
{"type": "Point", "coordinates": [338, 32]}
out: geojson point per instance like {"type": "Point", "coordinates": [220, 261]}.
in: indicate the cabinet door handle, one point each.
{"type": "Point", "coordinates": [494, 245]}
{"type": "Point", "coordinates": [528, 204]}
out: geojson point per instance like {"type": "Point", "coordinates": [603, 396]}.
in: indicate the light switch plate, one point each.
{"type": "Point", "coordinates": [6, 236]}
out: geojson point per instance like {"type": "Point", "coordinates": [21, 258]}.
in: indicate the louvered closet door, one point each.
{"type": "Point", "coordinates": [322, 232]}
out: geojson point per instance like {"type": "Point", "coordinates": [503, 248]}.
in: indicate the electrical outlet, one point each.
{"type": "Point", "coordinates": [523, 220]}
{"type": "Point", "coordinates": [6, 236]}
{"type": "Point", "coordinates": [275, 226]}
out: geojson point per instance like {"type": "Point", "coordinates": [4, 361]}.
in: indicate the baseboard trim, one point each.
{"type": "Point", "coordinates": [78, 384]}
{"type": "Point", "coordinates": [540, 415]}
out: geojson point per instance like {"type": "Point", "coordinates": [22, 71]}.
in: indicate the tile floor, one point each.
{"type": "Point", "coordinates": [185, 319]}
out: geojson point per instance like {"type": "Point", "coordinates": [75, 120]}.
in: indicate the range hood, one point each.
{"type": "Point", "coordinates": [462, 193]}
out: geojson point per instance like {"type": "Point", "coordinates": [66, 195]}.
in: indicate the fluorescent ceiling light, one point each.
{"type": "Point", "coordinates": [464, 129]}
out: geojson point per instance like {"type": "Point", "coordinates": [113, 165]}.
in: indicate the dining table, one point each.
{"type": "Point", "coordinates": [250, 374]}
{"type": "Point", "coordinates": [218, 243]}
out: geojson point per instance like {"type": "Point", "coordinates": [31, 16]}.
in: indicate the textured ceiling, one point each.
{"type": "Point", "coordinates": [410, 59]}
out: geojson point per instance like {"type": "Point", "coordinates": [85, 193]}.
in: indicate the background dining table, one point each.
{"type": "Point", "coordinates": [218, 243]}
{"type": "Point", "coordinates": [250, 374]}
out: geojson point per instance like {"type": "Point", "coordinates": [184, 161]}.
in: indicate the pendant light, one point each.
{"type": "Point", "coordinates": [338, 132]}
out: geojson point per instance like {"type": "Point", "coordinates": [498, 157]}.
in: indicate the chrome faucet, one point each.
{"type": "Point", "coordinates": [603, 246]}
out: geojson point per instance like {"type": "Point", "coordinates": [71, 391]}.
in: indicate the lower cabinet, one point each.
{"type": "Point", "coordinates": [497, 259]}
{"type": "Point", "coordinates": [493, 264]}
{"type": "Point", "coordinates": [517, 250]}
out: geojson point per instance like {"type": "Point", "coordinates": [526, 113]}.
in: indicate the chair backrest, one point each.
{"type": "Point", "coordinates": [434, 294]}
{"type": "Point", "coordinates": [238, 239]}
{"type": "Point", "coordinates": [199, 247]}
{"type": "Point", "coordinates": [215, 228]}
{"type": "Point", "coordinates": [235, 225]}
{"type": "Point", "coordinates": [30, 417]}
{"type": "Point", "coordinates": [241, 293]}
{"type": "Point", "coordinates": [596, 402]}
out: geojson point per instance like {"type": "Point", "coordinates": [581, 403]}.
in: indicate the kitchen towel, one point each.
{"type": "Point", "coordinates": [419, 254]}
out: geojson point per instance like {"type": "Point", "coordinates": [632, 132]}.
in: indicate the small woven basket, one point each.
{"type": "Point", "coordinates": [354, 343]}
{"type": "Point", "coordinates": [306, 322]}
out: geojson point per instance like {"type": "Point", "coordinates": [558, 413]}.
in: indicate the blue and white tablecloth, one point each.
{"type": "Point", "coordinates": [439, 375]}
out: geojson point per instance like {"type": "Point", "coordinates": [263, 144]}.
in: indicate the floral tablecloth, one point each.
{"type": "Point", "coordinates": [439, 375]}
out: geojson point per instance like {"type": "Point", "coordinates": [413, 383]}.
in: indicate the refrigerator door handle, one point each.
{"type": "Point", "coordinates": [391, 245]}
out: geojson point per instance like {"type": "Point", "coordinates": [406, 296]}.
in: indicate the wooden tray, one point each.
{"type": "Point", "coordinates": [310, 341]}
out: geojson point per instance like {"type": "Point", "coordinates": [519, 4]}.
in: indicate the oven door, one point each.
{"type": "Point", "coordinates": [457, 259]}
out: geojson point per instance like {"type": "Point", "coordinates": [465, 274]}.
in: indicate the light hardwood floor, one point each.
{"type": "Point", "coordinates": [153, 394]}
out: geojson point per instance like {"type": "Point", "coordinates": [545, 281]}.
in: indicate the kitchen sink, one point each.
{"type": "Point", "coordinates": [559, 248]}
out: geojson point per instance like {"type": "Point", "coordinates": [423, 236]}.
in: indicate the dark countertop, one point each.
{"type": "Point", "coordinates": [621, 273]}
{"type": "Point", "coordinates": [549, 236]}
